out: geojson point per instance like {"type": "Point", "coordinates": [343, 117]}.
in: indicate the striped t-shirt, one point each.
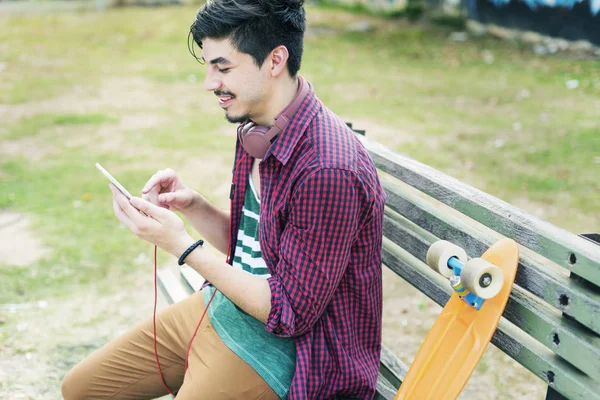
{"type": "Point", "coordinates": [272, 357]}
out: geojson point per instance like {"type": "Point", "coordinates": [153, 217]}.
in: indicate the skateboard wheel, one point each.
{"type": "Point", "coordinates": [482, 278]}
{"type": "Point", "coordinates": [440, 252]}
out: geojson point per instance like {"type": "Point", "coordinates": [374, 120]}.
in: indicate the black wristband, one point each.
{"type": "Point", "coordinates": [188, 251]}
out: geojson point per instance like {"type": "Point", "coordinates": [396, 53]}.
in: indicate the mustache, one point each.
{"type": "Point", "coordinates": [223, 93]}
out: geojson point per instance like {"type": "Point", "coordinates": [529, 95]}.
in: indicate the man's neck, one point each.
{"type": "Point", "coordinates": [281, 98]}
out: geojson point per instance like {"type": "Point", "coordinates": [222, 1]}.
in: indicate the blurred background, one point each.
{"type": "Point", "coordinates": [503, 95]}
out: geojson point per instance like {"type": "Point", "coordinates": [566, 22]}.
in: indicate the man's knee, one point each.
{"type": "Point", "coordinates": [72, 387]}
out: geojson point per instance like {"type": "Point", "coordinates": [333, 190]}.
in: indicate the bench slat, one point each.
{"type": "Point", "coordinates": [191, 278]}
{"type": "Point", "coordinates": [392, 368]}
{"type": "Point", "coordinates": [574, 298]}
{"type": "Point", "coordinates": [564, 248]}
{"type": "Point", "coordinates": [567, 338]}
{"type": "Point", "coordinates": [171, 287]}
{"type": "Point", "coordinates": [385, 390]}
{"type": "Point", "coordinates": [560, 374]}
{"type": "Point", "coordinates": [552, 369]}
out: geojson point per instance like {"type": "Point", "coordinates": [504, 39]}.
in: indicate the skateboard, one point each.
{"type": "Point", "coordinates": [462, 331]}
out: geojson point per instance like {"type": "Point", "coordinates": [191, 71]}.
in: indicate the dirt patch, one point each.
{"type": "Point", "coordinates": [121, 95]}
{"type": "Point", "coordinates": [42, 341]}
{"type": "Point", "coordinates": [28, 148]}
{"type": "Point", "coordinates": [110, 137]}
{"type": "Point", "coordinates": [117, 94]}
{"type": "Point", "coordinates": [18, 245]}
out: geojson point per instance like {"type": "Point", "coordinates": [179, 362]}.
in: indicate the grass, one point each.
{"type": "Point", "coordinates": [73, 219]}
{"type": "Point", "coordinates": [34, 125]}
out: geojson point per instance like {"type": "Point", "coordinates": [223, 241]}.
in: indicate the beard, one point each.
{"type": "Point", "coordinates": [237, 119]}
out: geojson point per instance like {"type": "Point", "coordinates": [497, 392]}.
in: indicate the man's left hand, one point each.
{"type": "Point", "coordinates": [159, 226]}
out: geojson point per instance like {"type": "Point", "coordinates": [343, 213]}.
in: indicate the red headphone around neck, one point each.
{"type": "Point", "coordinates": [257, 139]}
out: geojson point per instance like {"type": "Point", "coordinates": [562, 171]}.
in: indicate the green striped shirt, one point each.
{"type": "Point", "coordinates": [272, 357]}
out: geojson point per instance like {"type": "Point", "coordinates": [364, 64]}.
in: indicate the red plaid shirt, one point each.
{"type": "Point", "coordinates": [320, 235]}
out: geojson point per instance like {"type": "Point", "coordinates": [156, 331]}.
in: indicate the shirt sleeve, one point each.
{"type": "Point", "coordinates": [314, 250]}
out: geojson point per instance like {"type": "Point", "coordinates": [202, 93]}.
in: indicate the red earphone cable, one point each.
{"type": "Point", "coordinates": [196, 331]}
{"type": "Point", "coordinates": [201, 318]}
{"type": "Point", "coordinates": [154, 323]}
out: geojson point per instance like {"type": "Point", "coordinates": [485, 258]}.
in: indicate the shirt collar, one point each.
{"type": "Point", "coordinates": [283, 147]}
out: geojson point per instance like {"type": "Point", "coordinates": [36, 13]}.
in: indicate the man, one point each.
{"type": "Point", "coordinates": [295, 312]}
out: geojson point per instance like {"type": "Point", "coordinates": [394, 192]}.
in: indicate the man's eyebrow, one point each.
{"type": "Point", "coordinates": [218, 60]}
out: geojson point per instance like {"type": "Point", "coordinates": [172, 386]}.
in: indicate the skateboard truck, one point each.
{"type": "Point", "coordinates": [471, 299]}
{"type": "Point", "coordinates": [474, 280]}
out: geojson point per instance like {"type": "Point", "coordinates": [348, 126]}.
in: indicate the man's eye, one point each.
{"type": "Point", "coordinates": [224, 70]}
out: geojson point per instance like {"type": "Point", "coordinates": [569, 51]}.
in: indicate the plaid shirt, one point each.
{"type": "Point", "coordinates": [320, 234]}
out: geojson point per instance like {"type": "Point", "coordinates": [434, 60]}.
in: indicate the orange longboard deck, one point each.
{"type": "Point", "coordinates": [459, 336]}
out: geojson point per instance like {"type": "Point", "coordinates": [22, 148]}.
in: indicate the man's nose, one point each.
{"type": "Point", "coordinates": [211, 82]}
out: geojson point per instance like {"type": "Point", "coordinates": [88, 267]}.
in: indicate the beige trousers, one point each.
{"type": "Point", "coordinates": [126, 367]}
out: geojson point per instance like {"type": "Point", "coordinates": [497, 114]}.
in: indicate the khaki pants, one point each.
{"type": "Point", "coordinates": [126, 367]}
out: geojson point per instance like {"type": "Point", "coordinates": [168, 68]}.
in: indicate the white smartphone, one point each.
{"type": "Point", "coordinates": [114, 181]}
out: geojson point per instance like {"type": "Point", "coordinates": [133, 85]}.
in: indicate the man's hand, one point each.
{"type": "Point", "coordinates": [165, 189]}
{"type": "Point", "coordinates": [159, 226]}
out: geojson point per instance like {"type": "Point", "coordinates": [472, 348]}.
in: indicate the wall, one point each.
{"type": "Point", "coordinates": [567, 19]}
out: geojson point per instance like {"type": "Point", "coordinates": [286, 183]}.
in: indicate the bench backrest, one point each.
{"type": "Point", "coordinates": [551, 324]}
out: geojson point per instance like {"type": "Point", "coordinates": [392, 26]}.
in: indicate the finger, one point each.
{"type": "Point", "coordinates": [167, 198]}
{"type": "Point", "coordinates": [131, 212]}
{"type": "Point", "coordinates": [161, 177]}
{"type": "Point", "coordinates": [122, 216]}
{"type": "Point", "coordinates": [156, 212]}
{"type": "Point", "coordinates": [151, 182]}
{"type": "Point", "coordinates": [151, 196]}
{"type": "Point", "coordinates": [154, 198]}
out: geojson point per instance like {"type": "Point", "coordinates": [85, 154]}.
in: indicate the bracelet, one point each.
{"type": "Point", "coordinates": [188, 251]}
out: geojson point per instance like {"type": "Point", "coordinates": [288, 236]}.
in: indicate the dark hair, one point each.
{"type": "Point", "coordinates": [255, 27]}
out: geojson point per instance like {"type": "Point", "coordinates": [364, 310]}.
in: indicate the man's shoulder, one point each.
{"type": "Point", "coordinates": [337, 146]}
{"type": "Point", "coordinates": [325, 120]}
{"type": "Point", "coordinates": [333, 143]}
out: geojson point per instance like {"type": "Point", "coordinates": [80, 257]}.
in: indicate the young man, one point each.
{"type": "Point", "coordinates": [295, 312]}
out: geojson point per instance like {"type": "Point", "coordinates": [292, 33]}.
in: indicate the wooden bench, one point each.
{"type": "Point", "coordinates": [551, 324]}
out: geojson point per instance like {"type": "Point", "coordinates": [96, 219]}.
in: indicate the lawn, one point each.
{"type": "Point", "coordinates": [121, 89]}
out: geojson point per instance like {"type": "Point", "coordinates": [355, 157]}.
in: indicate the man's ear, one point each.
{"type": "Point", "coordinates": [278, 60]}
